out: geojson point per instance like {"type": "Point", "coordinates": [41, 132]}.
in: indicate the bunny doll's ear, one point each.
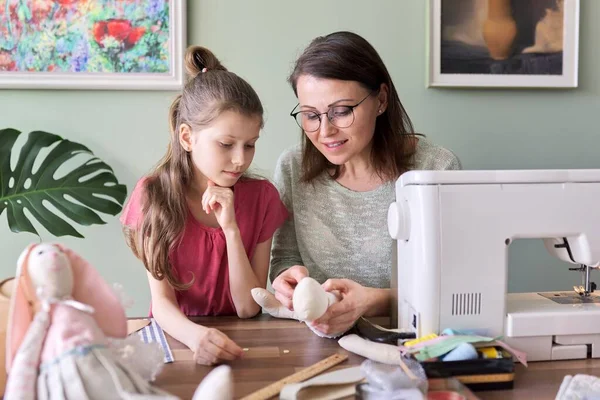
{"type": "Point", "coordinates": [20, 313]}
{"type": "Point", "coordinates": [89, 288]}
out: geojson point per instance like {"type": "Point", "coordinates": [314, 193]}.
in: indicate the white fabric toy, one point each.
{"type": "Point", "coordinates": [310, 302]}
{"type": "Point", "coordinates": [380, 352]}
{"type": "Point", "coordinates": [217, 385]}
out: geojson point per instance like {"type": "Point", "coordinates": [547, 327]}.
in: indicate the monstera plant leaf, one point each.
{"type": "Point", "coordinates": [88, 187]}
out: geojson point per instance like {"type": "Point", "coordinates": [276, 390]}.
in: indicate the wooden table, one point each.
{"type": "Point", "coordinates": [278, 348]}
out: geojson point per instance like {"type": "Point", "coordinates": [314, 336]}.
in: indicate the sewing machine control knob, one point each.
{"type": "Point", "coordinates": [399, 220]}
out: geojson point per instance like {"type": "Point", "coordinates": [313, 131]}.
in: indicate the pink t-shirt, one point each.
{"type": "Point", "coordinates": [259, 212]}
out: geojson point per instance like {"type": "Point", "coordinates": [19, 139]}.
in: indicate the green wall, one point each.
{"type": "Point", "coordinates": [259, 40]}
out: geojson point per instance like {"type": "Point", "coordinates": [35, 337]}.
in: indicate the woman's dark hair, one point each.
{"type": "Point", "coordinates": [349, 57]}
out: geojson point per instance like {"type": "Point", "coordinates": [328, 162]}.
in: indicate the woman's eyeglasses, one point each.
{"type": "Point", "coordinates": [338, 116]}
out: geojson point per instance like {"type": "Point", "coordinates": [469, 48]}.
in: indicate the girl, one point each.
{"type": "Point", "coordinates": [201, 227]}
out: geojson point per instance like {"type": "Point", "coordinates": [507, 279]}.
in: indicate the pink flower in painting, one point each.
{"type": "Point", "coordinates": [12, 11]}
{"type": "Point", "coordinates": [66, 2]}
{"type": "Point", "coordinates": [6, 62]}
{"type": "Point", "coordinates": [41, 9]}
{"type": "Point", "coordinates": [120, 30]}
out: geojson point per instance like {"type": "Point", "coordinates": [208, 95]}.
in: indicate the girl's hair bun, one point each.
{"type": "Point", "coordinates": [197, 58]}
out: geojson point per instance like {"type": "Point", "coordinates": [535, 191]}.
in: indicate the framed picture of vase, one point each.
{"type": "Point", "coordinates": [92, 44]}
{"type": "Point", "coordinates": [503, 43]}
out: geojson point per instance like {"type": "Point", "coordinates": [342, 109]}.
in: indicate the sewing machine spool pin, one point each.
{"type": "Point", "coordinates": [587, 286]}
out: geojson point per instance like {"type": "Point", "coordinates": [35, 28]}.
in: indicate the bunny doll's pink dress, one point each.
{"type": "Point", "coordinates": [76, 362]}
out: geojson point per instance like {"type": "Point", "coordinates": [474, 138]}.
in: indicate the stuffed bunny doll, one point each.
{"type": "Point", "coordinates": [310, 302]}
{"type": "Point", "coordinates": [61, 316]}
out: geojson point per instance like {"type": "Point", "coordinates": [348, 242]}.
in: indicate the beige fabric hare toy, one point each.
{"type": "Point", "coordinates": [310, 302]}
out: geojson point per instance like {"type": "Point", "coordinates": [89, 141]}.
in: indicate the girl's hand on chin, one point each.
{"type": "Point", "coordinates": [220, 201]}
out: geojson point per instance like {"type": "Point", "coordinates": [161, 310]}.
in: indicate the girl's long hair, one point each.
{"type": "Point", "coordinates": [209, 91]}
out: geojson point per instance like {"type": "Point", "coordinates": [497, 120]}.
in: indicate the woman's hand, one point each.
{"type": "Point", "coordinates": [286, 282]}
{"type": "Point", "coordinates": [220, 200]}
{"type": "Point", "coordinates": [341, 316]}
{"type": "Point", "coordinates": [213, 346]}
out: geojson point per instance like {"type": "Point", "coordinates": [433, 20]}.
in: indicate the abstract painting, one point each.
{"type": "Point", "coordinates": [503, 43]}
{"type": "Point", "coordinates": [91, 44]}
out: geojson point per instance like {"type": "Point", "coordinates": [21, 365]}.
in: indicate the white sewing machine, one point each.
{"type": "Point", "coordinates": [453, 229]}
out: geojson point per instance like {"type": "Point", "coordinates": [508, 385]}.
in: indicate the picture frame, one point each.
{"type": "Point", "coordinates": [92, 44]}
{"type": "Point", "coordinates": [503, 43]}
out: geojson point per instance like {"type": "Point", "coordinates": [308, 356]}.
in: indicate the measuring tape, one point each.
{"type": "Point", "coordinates": [273, 389]}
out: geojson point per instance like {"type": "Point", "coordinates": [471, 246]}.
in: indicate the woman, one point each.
{"type": "Point", "coordinates": [339, 182]}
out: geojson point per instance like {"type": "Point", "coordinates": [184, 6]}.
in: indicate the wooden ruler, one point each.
{"type": "Point", "coordinates": [486, 378]}
{"type": "Point", "coordinates": [273, 389]}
